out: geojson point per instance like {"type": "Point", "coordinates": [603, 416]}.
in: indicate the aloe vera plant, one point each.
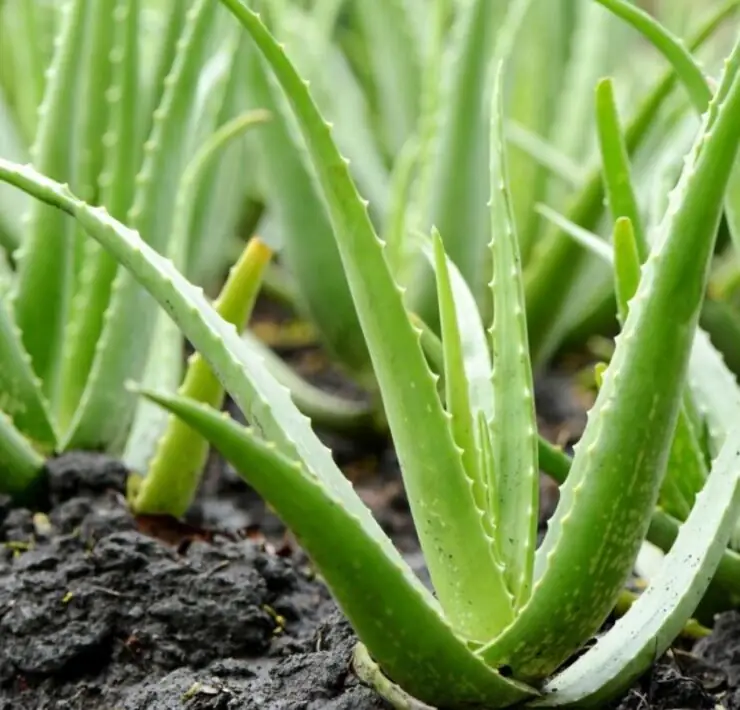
{"type": "Point", "coordinates": [75, 326]}
{"type": "Point", "coordinates": [504, 617]}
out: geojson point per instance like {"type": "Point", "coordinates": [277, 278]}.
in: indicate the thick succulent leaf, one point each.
{"type": "Point", "coordinates": [325, 409]}
{"type": "Point", "coordinates": [693, 79]}
{"type": "Point", "coordinates": [545, 154]}
{"type": "Point", "coordinates": [179, 460]}
{"type": "Point", "coordinates": [626, 264]}
{"type": "Point", "coordinates": [556, 259]}
{"type": "Point", "coordinates": [539, 58]}
{"type": "Point", "coordinates": [12, 204]}
{"type": "Point", "coordinates": [457, 395]}
{"type": "Point", "coordinates": [396, 69]}
{"type": "Point", "coordinates": [165, 52]}
{"type": "Point", "coordinates": [429, 125]}
{"type": "Point", "coordinates": [588, 60]}
{"type": "Point", "coordinates": [336, 90]}
{"type": "Point", "coordinates": [105, 410]}
{"type": "Point", "coordinates": [724, 591]}
{"type": "Point", "coordinates": [96, 68]}
{"type": "Point", "coordinates": [459, 557]}
{"type": "Point", "coordinates": [219, 208]}
{"type": "Point", "coordinates": [43, 288]}
{"type": "Point", "coordinates": [164, 370]}
{"type": "Point", "coordinates": [116, 183]}
{"type": "Point", "coordinates": [398, 624]}
{"type": "Point", "coordinates": [514, 425]}
{"type": "Point", "coordinates": [620, 192]}
{"type": "Point", "coordinates": [454, 321]}
{"type": "Point", "coordinates": [687, 468]}
{"type": "Point", "coordinates": [459, 184]}
{"type": "Point", "coordinates": [633, 644]}
{"type": "Point", "coordinates": [21, 398]}
{"type": "Point", "coordinates": [166, 347]}
{"type": "Point", "coordinates": [314, 262]}
{"type": "Point", "coordinates": [644, 381]}
{"type": "Point", "coordinates": [20, 463]}
{"type": "Point", "coordinates": [22, 38]}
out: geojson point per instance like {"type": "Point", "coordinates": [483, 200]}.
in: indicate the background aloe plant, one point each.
{"type": "Point", "coordinates": [76, 327]}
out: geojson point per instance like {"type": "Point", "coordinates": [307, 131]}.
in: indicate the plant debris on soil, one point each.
{"type": "Point", "coordinates": [101, 611]}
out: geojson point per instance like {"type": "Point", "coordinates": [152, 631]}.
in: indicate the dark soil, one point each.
{"type": "Point", "coordinates": [99, 611]}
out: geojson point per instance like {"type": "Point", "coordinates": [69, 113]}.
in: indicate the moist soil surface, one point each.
{"type": "Point", "coordinates": [101, 611]}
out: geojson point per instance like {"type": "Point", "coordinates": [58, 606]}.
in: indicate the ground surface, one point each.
{"type": "Point", "coordinates": [102, 612]}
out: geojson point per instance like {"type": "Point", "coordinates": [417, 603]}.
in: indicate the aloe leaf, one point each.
{"type": "Point", "coordinates": [20, 463]}
{"type": "Point", "coordinates": [588, 60]}
{"type": "Point", "coordinates": [23, 38]}
{"type": "Point", "coordinates": [463, 418]}
{"type": "Point", "coordinates": [395, 67]}
{"type": "Point", "coordinates": [165, 53]}
{"type": "Point", "coordinates": [458, 558]}
{"type": "Point", "coordinates": [626, 264]}
{"type": "Point", "coordinates": [116, 183]}
{"type": "Point", "coordinates": [620, 192]}
{"type": "Point", "coordinates": [430, 662]}
{"type": "Point", "coordinates": [164, 363]}
{"type": "Point", "coordinates": [219, 208]}
{"type": "Point", "coordinates": [314, 262]}
{"type": "Point", "coordinates": [397, 221]}
{"type": "Point", "coordinates": [693, 80]}
{"type": "Point", "coordinates": [325, 410]}
{"type": "Point", "coordinates": [12, 204]}
{"type": "Point", "coordinates": [96, 73]}
{"type": "Point", "coordinates": [473, 340]}
{"type": "Point", "coordinates": [539, 57]}
{"type": "Point", "coordinates": [44, 282]}
{"type": "Point", "coordinates": [555, 260]}
{"type": "Point", "coordinates": [686, 469]}
{"type": "Point", "coordinates": [427, 135]}
{"type": "Point", "coordinates": [645, 382]}
{"type": "Point", "coordinates": [633, 644]}
{"type": "Point", "coordinates": [21, 397]}
{"type": "Point", "coordinates": [588, 240]}
{"type": "Point", "coordinates": [105, 410]}
{"type": "Point", "coordinates": [724, 591]}
{"type": "Point", "coordinates": [175, 470]}
{"type": "Point", "coordinates": [459, 185]}
{"type": "Point", "coordinates": [514, 426]}
{"type": "Point", "coordinates": [557, 163]}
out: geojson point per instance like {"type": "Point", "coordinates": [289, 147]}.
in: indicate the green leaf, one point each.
{"type": "Point", "coordinates": [617, 175]}
{"type": "Point", "coordinates": [458, 557]}
{"type": "Point", "coordinates": [179, 459]}
{"type": "Point", "coordinates": [514, 425]}
{"type": "Point", "coordinates": [459, 183]}
{"type": "Point", "coordinates": [12, 204]}
{"type": "Point", "coordinates": [626, 264]}
{"type": "Point", "coordinates": [325, 410]}
{"type": "Point", "coordinates": [412, 642]}
{"type": "Point", "coordinates": [105, 410]}
{"type": "Point", "coordinates": [44, 283]}
{"type": "Point", "coordinates": [555, 261]}
{"type": "Point", "coordinates": [640, 637]}
{"type": "Point", "coordinates": [314, 262]}
{"type": "Point", "coordinates": [116, 183]}
{"type": "Point", "coordinates": [644, 382]}
{"type": "Point", "coordinates": [21, 398]}
{"type": "Point", "coordinates": [20, 463]}
{"type": "Point", "coordinates": [395, 66]}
